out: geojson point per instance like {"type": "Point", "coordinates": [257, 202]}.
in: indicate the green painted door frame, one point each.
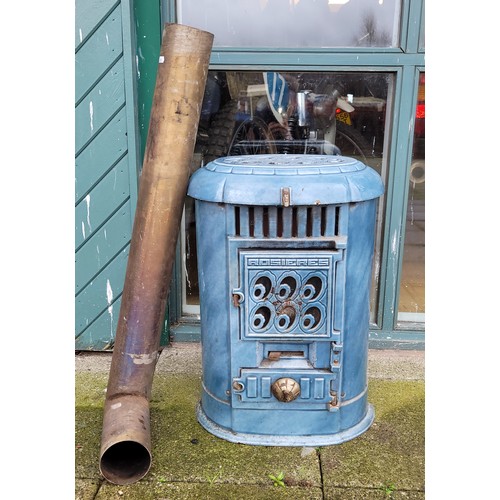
{"type": "Point", "coordinates": [148, 28]}
{"type": "Point", "coordinates": [148, 19]}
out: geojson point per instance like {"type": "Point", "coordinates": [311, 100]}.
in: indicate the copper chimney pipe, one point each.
{"type": "Point", "coordinates": [180, 84]}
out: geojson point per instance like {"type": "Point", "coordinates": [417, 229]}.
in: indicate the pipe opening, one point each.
{"type": "Point", "coordinates": [125, 462]}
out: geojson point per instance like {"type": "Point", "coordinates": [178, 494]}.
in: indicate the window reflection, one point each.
{"type": "Point", "coordinates": [412, 289]}
{"type": "Point", "coordinates": [295, 23]}
{"type": "Point", "coordinates": [289, 112]}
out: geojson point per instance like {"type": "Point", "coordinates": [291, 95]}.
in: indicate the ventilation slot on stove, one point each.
{"type": "Point", "coordinates": [287, 222]}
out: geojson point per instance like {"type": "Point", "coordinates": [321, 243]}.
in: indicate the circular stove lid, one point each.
{"type": "Point", "coordinates": [285, 164]}
{"type": "Point", "coordinates": [285, 179]}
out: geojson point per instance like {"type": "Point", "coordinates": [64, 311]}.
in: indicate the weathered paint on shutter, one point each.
{"type": "Point", "coordinates": [106, 165]}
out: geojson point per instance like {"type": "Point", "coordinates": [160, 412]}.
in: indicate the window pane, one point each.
{"type": "Point", "coordinates": [295, 23]}
{"type": "Point", "coordinates": [412, 289]}
{"type": "Point", "coordinates": [308, 112]}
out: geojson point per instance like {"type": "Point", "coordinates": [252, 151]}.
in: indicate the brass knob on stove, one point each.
{"type": "Point", "coordinates": [285, 389]}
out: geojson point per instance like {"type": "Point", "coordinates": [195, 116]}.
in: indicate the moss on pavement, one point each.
{"type": "Point", "coordinates": [387, 461]}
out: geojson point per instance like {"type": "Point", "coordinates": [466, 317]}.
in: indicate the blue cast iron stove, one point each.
{"type": "Point", "coordinates": [285, 248]}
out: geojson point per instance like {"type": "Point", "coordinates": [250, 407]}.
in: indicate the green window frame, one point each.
{"type": "Point", "coordinates": [406, 63]}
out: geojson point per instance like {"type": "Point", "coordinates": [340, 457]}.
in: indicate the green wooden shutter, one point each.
{"type": "Point", "coordinates": [106, 165]}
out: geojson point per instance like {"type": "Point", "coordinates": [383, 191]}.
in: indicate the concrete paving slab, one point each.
{"type": "Point", "coordinates": [182, 450]}
{"type": "Point", "coordinates": [88, 426]}
{"type": "Point", "coordinates": [396, 364]}
{"type": "Point", "coordinates": [371, 494]}
{"type": "Point", "coordinates": [189, 491]}
{"type": "Point", "coordinates": [186, 451]}
{"type": "Point", "coordinates": [185, 357]}
{"type": "Point", "coordinates": [86, 489]}
{"type": "Point", "coordinates": [392, 451]}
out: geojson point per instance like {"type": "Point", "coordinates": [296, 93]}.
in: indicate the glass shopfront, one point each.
{"type": "Point", "coordinates": [412, 287]}
{"type": "Point", "coordinates": [320, 77]}
{"type": "Point", "coordinates": [295, 23]}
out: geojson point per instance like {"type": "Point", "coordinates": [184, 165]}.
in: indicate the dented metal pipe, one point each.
{"type": "Point", "coordinates": [180, 84]}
